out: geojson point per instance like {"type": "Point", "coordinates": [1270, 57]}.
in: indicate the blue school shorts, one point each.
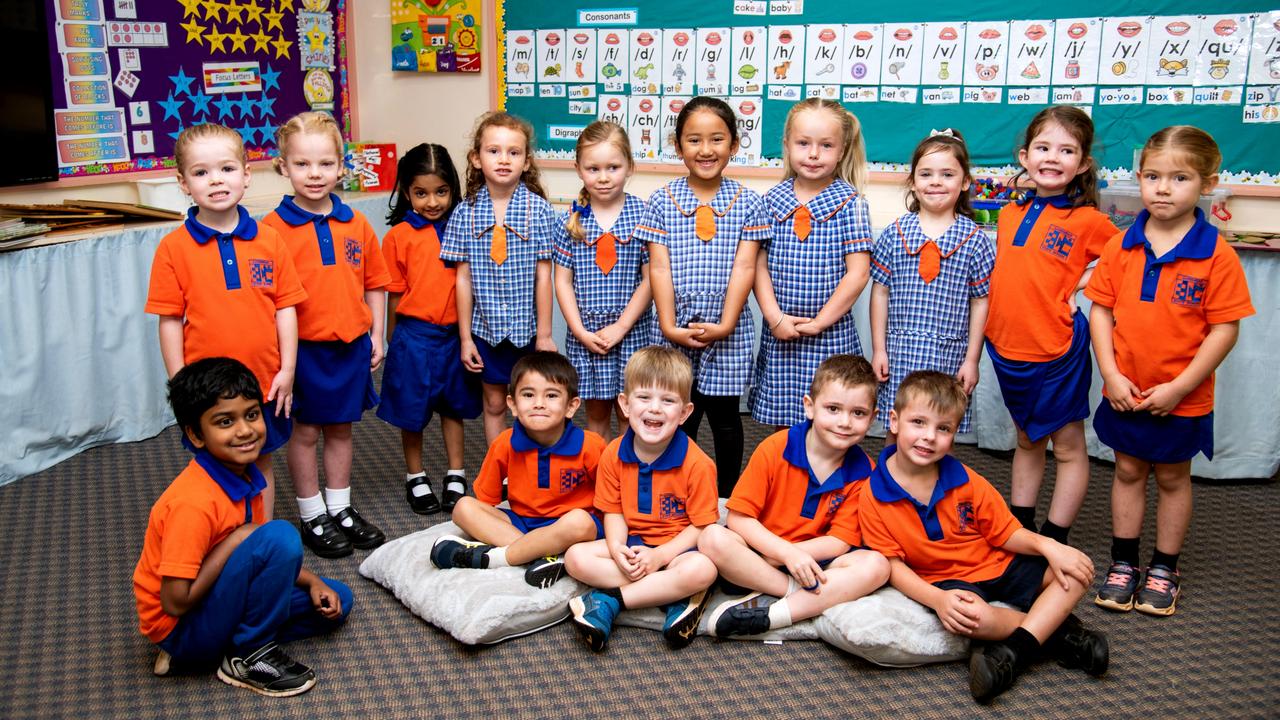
{"type": "Point", "coordinates": [333, 384]}
{"type": "Point", "coordinates": [424, 375]}
{"type": "Point", "coordinates": [499, 359]}
{"type": "Point", "coordinates": [1019, 585]}
{"type": "Point", "coordinates": [279, 429]}
{"type": "Point", "coordinates": [1044, 397]}
{"type": "Point", "coordinates": [637, 541]}
{"type": "Point", "coordinates": [1167, 439]}
{"type": "Point", "coordinates": [527, 525]}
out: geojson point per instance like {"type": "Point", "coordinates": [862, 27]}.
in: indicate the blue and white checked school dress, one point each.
{"type": "Point", "coordinates": [805, 274]}
{"type": "Point", "coordinates": [601, 298]}
{"type": "Point", "coordinates": [929, 323]}
{"type": "Point", "coordinates": [503, 295]}
{"type": "Point", "coordinates": [700, 273]}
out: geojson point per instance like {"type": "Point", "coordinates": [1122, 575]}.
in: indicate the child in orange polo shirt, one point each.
{"type": "Point", "coordinates": [550, 464]}
{"type": "Point", "coordinates": [424, 372]}
{"type": "Point", "coordinates": [1037, 338]}
{"type": "Point", "coordinates": [1168, 296]}
{"type": "Point", "coordinates": [339, 330]}
{"type": "Point", "coordinates": [216, 581]}
{"type": "Point", "coordinates": [657, 490]}
{"type": "Point", "coordinates": [793, 516]}
{"type": "Point", "coordinates": [234, 297]}
{"type": "Point", "coordinates": [954, 547]}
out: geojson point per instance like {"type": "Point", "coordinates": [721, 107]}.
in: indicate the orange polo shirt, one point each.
{"type": "Point", "coordinates": [542, 482]}
{"type": "Point", "coordinates": [1164, 306]}
{"type": "Point", "coordinates": [1043, 248]}
{"type": "Point", "coordinates": [338, 258]}
{"type": "Point", "coordinates": [778, 489]}
{"type": "Point", "coordinates": [428, 284]}
{"type": "Point", "coordinates": [659, 499]}
{"type": "Point", "coordinates": [199, 509]}
{"type": "Point", "coordinates": [959, 535]}
{"type": "Point", "coordinates": [227, 288]}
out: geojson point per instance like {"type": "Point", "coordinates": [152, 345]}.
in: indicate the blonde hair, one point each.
{"type": "Point", "coordinates": [206, 131]}
{"type": "Point", "coordinates": [943, 392]}
{"type": "Point", "coordinates": [659, 366]}
{"type": "Point", "coordinates": [531, 177]}
{"type": "Point", "coordinates": [852, 167]}
{"type": "Point", "coordinates": [311, 123]}
{"type": "Point", "coordinates": [1192, 145]}
{"type": "Point", "coordinates": [851, 371]}
{"type": "Point", "coordinates": [600, 131]}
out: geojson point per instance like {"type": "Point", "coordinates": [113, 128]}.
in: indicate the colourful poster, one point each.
{"type": "Point", "coordinates": [612, 55]}
{"type": "Point", "coordinates": [943, 53]}
{"type": "Point", "coordinates": [1124, 52]}
{"type": "Point", "coordinates": [1076, 50]}
{"type": "Point", "coordinates": [902, 59]}
{"type": "Point", "coordinates": [712, 74]}
{"type": "Point", "coordinates": [646, 64]}
{"type": "Point", "coordinates": [436, 35]}
{"type": "Point", "coordinates": [1223, 53]}
{"type": "Point", "coordinates": [986, 54]}
{"type": "Point", "coordinates": [861, 58]}
{"type": "Point", "coordinates": [1030, 54]}
{"type": "Point", "coordinates": [1174, 46]}
{"type": "Point", "coordinates": [748, 61]}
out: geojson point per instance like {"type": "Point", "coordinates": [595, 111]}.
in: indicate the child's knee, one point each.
{"type": "Point", "coordinates": [577, 557]}
{"type": "Point", "coordinates": [697, 570]}
{"type": "Point", "coordinates": [868, 564]}
{"type": "Point", "coordinates": [1129, 472]}
{"type": "Point", "coordinates": [1173, 478]}
{"type": "Point", "coordinates": [278, 537]}
{"type": "Point", "coordinates": [495, 400]}
{"type": "Point", "coordinates": [715, 541]}
{"type": "Point", "coordinates": [1068, 444]}
{"type": "Point", "coordinates": [578, 525]}
{"type": "Point", "coordinates": [465, 512]}
{"type": "Point", "coordinates": [1025, 443]}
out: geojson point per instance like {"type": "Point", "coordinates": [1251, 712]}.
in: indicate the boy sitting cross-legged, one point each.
{"type": "Point", "coordinates": [211, 584]}
{"type": "Point", "coordinates": [793, 516]}
{"type": "Point", "coordinates": [657, 490]}
{"type": "Point", "coordinates": [550, 465]}
{"type": "Point", "coordinates": [954, 547]}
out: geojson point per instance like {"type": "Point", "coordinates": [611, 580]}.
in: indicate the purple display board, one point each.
{"type": "Point", "coordinates": [128, 76]}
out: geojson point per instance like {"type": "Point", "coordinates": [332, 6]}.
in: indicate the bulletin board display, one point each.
{"type": "Point", "coordinates": [439, 36]}
{"type": "Point", "coordinates": [903, 69]}
{"type": "Point", "coordinates": [129, 75]}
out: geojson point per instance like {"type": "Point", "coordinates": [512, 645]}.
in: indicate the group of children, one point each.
{"type": "Point", "coordinates": [469, 273]}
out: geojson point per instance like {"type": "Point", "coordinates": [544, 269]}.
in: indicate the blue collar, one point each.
{"type": "Point", "coordinates": [237, 487]}
{"type": "Point", "coordinates": [417, 222]}
{"type": "Point", "coordinates": [1197, 244]}
{"type": "Point", "coordinates": [856, 466]}
{"type": "Point", "coordinates": [672, 457]}
{"type": "Point", "coordinates": [569, 445]}
{"type": "Point", "coordinates": [289, 211]}
{"type": "Point", "coordinates": [1062, 201]}
{"type": "Point", "coordinates": [246, 227]}
{"type": "Point", "coordinates": [951, 475]}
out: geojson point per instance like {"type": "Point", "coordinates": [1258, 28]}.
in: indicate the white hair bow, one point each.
{"type": "Point", "coordinates": [944, 131]}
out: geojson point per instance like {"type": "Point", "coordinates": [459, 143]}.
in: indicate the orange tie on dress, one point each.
{"type": "Point", "coordinates": [802, 222]}
{"type": "Point", "coordinates": [498, 246]}
{"type": "Point", "coordinates": [930, 261]}
{"type": "Point", "coordinates": [704, 223]}
{"type": "Point", "coordinates": [606, 252]}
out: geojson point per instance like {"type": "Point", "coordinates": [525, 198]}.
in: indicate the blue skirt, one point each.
{"type": "Point", "coordinates": [499, 359]}
{"type": "Point", "coordinates": [1163, 439]}
{"type": "Point", "coordinates": [334, 384]}
{"type": "Point", "coordinates": [1044, 397]}
{"type": "Point", "coordinates": [424, 375]}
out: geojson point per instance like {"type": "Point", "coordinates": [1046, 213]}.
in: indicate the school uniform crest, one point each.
{"type": "Point", "coordinates": [1189, 291]}
{"type": "Point", "coordinates": [353, 251]}
{"type": "Point", "coordinates": [571, 478]}
{"type": "Point", "coordinates": [834, 504]}
{"type": "Point", "coordinates": [965, 516]}
{"type": "Point", "coordinates": [1058, 242]}
{"type": "Point", "coordinates": [261, 273]}
{"type": "Point", "coordinates": [670, 507]}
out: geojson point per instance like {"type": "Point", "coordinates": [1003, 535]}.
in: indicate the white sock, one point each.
{"type": "Point", "coordinates": [456, 481]}
{"type": "Point", "coordinates": [779, 615]}
{"type": "Point", "coordinates": [338, 500]}
{"type": "Point", "coordinates": [497, 557]}
{"type": "Point", "coordinates": [421, 488]}
{"type": "Point", "coordinates": [310, 508]}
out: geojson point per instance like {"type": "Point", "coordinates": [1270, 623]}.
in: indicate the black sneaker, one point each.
{"type": "Point", "coordinates": [362, 533]}
{"type": "Point", "coordinates": [740, 616]}
{"type": "Point", "coordinates": [267, 671]}
{"type": "Point", "coordinates": [1159, 593]}
{"type": "Point", "coordinates": [545, 571]}
{"type": "Point", "coordinates": [681, 625]}
{"type": "Point", "coordinates": [323, 537]}
{"type": "Point", "coordinates": [1075, 646]}
{"type": "Point", "coordinates": [1118, 588]}
{"type": "Point", "coordinates": [425, 503]}
{"type": "Point", "coordinates": [451, 551]}
{"type": "Point", "coordinates": [455, 488]}
{"type": "Point", "coordinates": [992, 671]}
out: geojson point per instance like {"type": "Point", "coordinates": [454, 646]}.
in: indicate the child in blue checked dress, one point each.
{"type": "Point", "coordinates": [500, 237]}
{"type": "Point", "coordinates": [602, 283]}
{"type": "Point", "coordinates": [703, 232]}
{"type": "Point", "coordinates": [932, 271]}
{"type": "Point", "coordinates": [809, 275]}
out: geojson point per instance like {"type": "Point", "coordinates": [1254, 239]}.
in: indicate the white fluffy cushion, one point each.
{"type": "Point", "coordinates": [889, 628]}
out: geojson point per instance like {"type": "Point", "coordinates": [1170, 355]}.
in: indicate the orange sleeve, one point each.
{"type": "Point", "coordinates": [1100, 232]}
{"type": "Point", "coordinates": [164, 296]}
{"type": "Point", "coordinates": [188, 535]}
{"type": "Point", "coordinates": [1102, 284]}
{"type": "Point", "coordinates": [289, 290]}
{"type": "Point", "coordinates": [703, 506]}
{"type": "Point", "coordinates": [752, 490]}
{"type": "Point", "coordinates": [1227, 299]}
{"type": "Point", "coordinates": [395, 265]}
{"type": "Point", "coordinates": [995, 522]}
{"type": "Point", "coordinates": [609, 481]}
{"type": "Point", "coordinates": [376, 275]}
{"type": "Point", "coordinates": [875, 532]}
{"type": "Point", "coordinates": [593, 448]}
{"type": "Point", "coordinates": [488, 483]}
{"type": "Point", "coordinates": [845, 524]}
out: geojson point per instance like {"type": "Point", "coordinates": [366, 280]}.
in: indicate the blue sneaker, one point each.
{"type": "Point", "coordinates": [593, 613]}
{"type": "Point", "coordinates": [681, 626]}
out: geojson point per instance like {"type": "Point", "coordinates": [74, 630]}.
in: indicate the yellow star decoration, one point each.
{"type": "Point", "coordinates": [233, 12]}
{"type": "Point", "coordinates": [284, 5]}
{"type": "Point", "coordinates": [238, 39]}
{"type": "Point", "coordinates": [194, 32]}
{"type": "Point", "coordinates": [315, 39]}
{"type": "Point", "coordinates": [211, 10]}
{"type": "Point", "coordinates": [254, 12]}
{"type": "Point", "coordinates": [273, 20]}
{"type": "Point", "coordinates": [261, 41]}
{"type": "Point", "coordinates": [191, 7]}
{"type": "Point", "coordinates": [215, 40]}
{"type": "Point", "coordinates": [282, 47]}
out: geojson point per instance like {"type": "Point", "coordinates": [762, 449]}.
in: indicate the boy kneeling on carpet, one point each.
{"type": "Point", "coordinates": [211, 583]}
{"type": "Point", "coordinates": [954, 547]}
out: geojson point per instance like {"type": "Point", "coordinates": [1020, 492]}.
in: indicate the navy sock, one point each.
{"type": "Point", "coordinates": [1165, 560]}
{"type": "Point", "coordinates": [1124, 550]}
{"type": "Point", "coordinates": [1052, 530]}
{"type": "Point", "coordinates": [1025, 515]}
{"type": "Point", "coordinates": [616, 594]}
{"type": "Point", "coordinates": [1024, 645]}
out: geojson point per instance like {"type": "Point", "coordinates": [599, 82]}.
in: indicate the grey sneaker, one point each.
{"type": "Point", "coordinates": [267, 671]}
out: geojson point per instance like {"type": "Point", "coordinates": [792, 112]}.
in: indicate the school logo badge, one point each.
{"type": "Point", "coordinates": [1189, 291]}
{"type": "Point", "coordinates": [964, 513]}
{"type": "Point", "coordinates": [353, 252]}
{"type": "Point", "coordinates": [834, 505]}
{"type": "Point", "coordinates": [1058, 242]}
{"type": "Point", "coordinates": [571, 478]}
{"type": "Point", "coordinates": [261, 273]}
{"type": "Point", "coordinates": [670, 506]}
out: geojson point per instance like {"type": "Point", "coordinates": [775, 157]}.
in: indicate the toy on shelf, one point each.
{"type": "Point", "coordinates": [989, 196]}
